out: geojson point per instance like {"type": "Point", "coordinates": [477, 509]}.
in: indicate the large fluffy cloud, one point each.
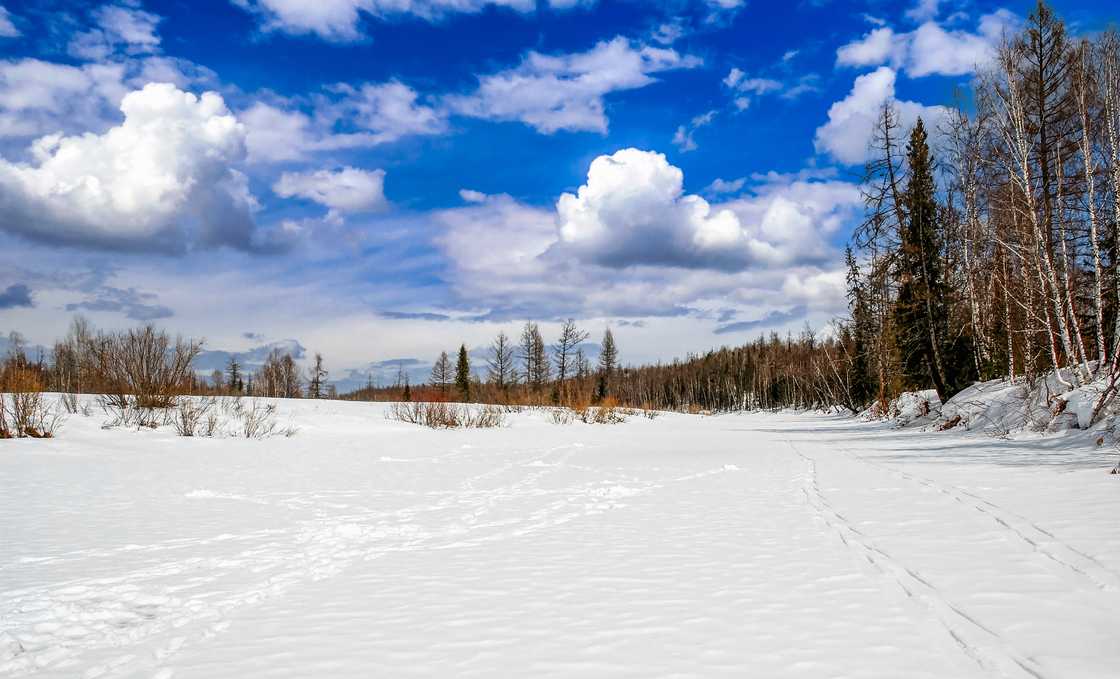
{"type": "Point", "coordinates": [851, 121]}
{"type": "Point", "coordinates": [633, 211]}
{"type": "Point", "coordinates": [565, 92]}
{"type": "Point", "coordinates": [41, 97]}
{"type": "Point", "coordinates": [632, 242]}
{"type": "Point", "coordinates": [116, 48]}
{"type": "Point", "coordinates": [164, 179]}
{"type": "Point", "coordinates": [36, 95]}
{"type": "Point", "coordinates": [930, 49]}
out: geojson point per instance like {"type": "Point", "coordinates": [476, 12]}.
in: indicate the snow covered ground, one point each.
{"type": "Point", "coordinates": [739, 545]}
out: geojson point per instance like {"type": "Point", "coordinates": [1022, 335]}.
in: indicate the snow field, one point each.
{"type": "Point", "coordinates": [760, 545]}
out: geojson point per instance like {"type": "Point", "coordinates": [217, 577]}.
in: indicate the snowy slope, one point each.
{"type": "Point", "coordinates": [738, 545]}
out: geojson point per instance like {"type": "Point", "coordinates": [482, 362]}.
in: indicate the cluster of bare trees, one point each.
{"type": "Point", "coordinates": [139, 376]}
{"type": "Point", "coordinates": [535, 372]}
{"type": "Point", "coordinates": [144, 367]}
{"type": "Point", "coordinates": [278, 377]}
{"type": "Point", "coordinates": [134, 370]}
{"type": "Point", "coordinates": [1014, 260]}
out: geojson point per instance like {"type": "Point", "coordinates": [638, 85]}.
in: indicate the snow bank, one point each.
{"type": "Point", "coordinates": [910, 407]}
{"type": "Point", "coordinates": [1005, 408]}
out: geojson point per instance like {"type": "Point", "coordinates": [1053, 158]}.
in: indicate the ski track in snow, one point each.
{"type": "Point", "coordinates": [977, 641]}
{"type": "Point", "coordinates": [1043, 541]}
{"type": "Point", "coordinates": [678, 547]}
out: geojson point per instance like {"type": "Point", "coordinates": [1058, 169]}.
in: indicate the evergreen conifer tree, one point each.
{"type": "Point", "coordinates": [921, 310]}
{"type": "Point", "coordinates": [233, 369]}
{"type": "Point", "coordinates": [463, 374]}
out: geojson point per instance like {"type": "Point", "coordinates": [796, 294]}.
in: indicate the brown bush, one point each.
{"type": "Point", "coordinates": [444, 415]}
{"type": "Point", "coordinates": [144, 369]}
{"type": "Point", "coordinates": [24, 413]}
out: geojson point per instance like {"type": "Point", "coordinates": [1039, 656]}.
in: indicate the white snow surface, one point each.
{"type": "Point", "coordinates": [758, 545]}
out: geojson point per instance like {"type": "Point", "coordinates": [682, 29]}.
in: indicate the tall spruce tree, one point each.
{"type": "Point", "coordinates": [234, 381]}
{"type": "Point", "coordinates": [463, 374]}
{"type": "Point", "coordinates": [921, 310]}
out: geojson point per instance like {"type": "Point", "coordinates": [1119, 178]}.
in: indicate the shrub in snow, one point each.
{"type": "Point", "coordinates": [608, 412]}
{"type": "Point", "coordinates": [561, 415]}
{"type": "Point", "coordinates": [191, 417]}
{"type": "Point", "coordinates": [70, 403]}
{"type": "Point", "coordinates": [144, 369]}
{"type": "Point", "coordinates": [444, 415]}
{"type": "Point", "coordinates": [203, 416]}
{"type": "Point", "coordinates": [24, 412]}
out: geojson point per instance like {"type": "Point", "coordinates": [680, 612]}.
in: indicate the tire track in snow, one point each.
{"type": "Point", "coordinates": [984, 646]}
{"type": "Point", "coordinates": [1079, 564]}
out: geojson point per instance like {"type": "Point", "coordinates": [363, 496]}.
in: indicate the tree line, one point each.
{"type": "Point", "coordinates": [995, 254]}
{"type": "Point", "coordinates": [530, 371]}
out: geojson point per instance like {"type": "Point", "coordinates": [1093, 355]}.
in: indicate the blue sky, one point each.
{"type": "Point", "coordinates": [384, 179]}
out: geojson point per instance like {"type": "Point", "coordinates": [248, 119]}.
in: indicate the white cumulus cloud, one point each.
{"type": "Point", "coordinates": [345, 117]}
{"type": "Point", "coordinates": [565, 92]}
{"type": "Point", "coordinates": [633, 210]}
{"type": "Point", "coordinates": [40, 97]}
{"type": "Point", "coordinates": [879, 46]}
{"type": "Point", "coordinates": [119, 28]}
{"type": "Point", "coordinates": [631, 242]}
{"type": "Point", "coordinates": [851, 121]}
{"type": "Point", "coordinates": [930, 49]}
{"type": "Point", "coordinates": [384, 112]}
{"type": "Point", "coordinates": [934, 50]}
{"type": "Point", "coordinates": [347, 189]}
{"type": "Point", "coordinates": [163, 179]}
